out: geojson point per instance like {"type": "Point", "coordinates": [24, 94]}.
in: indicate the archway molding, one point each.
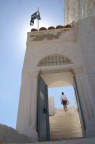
{"type": "Point", "coordinates": [55, 59]}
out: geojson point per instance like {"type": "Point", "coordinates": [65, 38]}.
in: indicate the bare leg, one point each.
{"type": "Point", "coordinates": [65, 108]}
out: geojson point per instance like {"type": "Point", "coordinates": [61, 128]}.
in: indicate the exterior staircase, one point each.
{"type": "Point", "coordinates": [65, 125]}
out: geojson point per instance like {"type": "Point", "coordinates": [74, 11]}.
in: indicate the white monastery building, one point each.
{"type": "Point", "coordinates": [61, 56]}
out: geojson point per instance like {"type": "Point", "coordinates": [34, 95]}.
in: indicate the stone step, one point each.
{"type": "Point", "coordinates": [64, 116]}
{"type": "Point", "coordinates": [65, 136]}
{"type": "Point", "coordinates": [70, 110]}
{"type": "Point", "coordinates": [71, 141]}
{"type": "Point", "coordinates": [66, 113]}
{"type": "Point", "coordinates": [65, 132]}
{"type": "Point", "coordinates": [65, 122]}
{"type": "Point", "coordinates": [69, 129]}
{"type": "Point", "coordinates": [62, 121]}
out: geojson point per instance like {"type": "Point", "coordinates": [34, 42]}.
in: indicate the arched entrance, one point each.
{"type": "Point", "coordinates": [60, 125]}
{"type": "Point", "coordinates": [57, 50]}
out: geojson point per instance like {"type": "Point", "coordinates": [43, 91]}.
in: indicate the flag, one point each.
{"type": "Point", "coordinates": [34, 16]}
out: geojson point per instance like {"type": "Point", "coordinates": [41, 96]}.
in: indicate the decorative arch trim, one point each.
{"type": "Point", "coordinates": [54, 60]}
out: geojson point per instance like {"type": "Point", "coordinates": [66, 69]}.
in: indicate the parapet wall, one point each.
{"type": "Point", "coordinates": [10, 135]}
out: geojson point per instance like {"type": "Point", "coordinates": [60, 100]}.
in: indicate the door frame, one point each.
{"type": "Point", "coordinates": [47, 70]}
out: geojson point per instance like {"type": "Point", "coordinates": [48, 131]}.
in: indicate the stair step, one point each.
{"type": "Point", "coordinates": [64, 117]}
{"type": "Point", "coordinates": [65, 134]}
{"type": "Point", "coordinates": [65, 129]}
{"type": "Point", "coordinates": [65, 125]}
{"type": "Point", "coordinates": [70, 141]}
{"type": "Point", "coordinates": [66, 137]}
{"type": "Point", "coordinates": [65, 121]}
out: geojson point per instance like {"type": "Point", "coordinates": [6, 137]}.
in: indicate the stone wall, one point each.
{"type": "Point", "coordinates": [51, 102]}
{"type": "Point", "coordinates": [78, 9]}
{"type": "Point", "coordinates": [10, 135]}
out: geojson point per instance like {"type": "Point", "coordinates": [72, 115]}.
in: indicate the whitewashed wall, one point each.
{"type": "Point", "coordinates": [78, 9]}
{"type": "Point", "coordinates": [76, 43]}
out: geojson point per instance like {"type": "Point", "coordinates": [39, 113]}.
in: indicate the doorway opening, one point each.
{"type": "Point", "coordinates": [56, 93]}
{"type": "Point", "coordinates": [63, 125]}
{"type": "Point", "coordinates": [53, 122]}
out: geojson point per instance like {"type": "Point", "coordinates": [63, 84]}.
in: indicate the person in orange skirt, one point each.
{"type": "Point", "coordinates": [64, 101]}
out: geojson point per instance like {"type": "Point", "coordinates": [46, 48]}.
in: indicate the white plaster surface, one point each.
{"type": "Point", "coordinates": [77, 44]}
{"type": "Point", "coordinates": [76, 10]}
{"type": "Point", "coordinates": [51, 102]}
{"type": "Point", "coordinates": [58, 79]}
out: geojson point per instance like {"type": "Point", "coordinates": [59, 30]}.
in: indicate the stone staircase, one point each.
{"type": "Point", "coordinates": [65, 125]}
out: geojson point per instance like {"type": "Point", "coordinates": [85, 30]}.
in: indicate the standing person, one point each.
{"type": "Point", "coordinates": [64, 101]}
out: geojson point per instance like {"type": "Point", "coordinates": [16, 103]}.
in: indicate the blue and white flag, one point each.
{"type": "Point", "coordinates": [34, 16]}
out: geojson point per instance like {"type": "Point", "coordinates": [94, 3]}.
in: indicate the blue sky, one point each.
{"type": "Point", "coordinates": [14, 25]}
